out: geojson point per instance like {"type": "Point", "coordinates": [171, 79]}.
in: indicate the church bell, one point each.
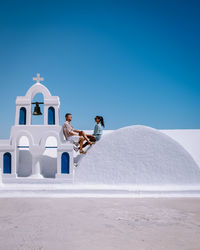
{"type": "Point", "coordinates": [37, 110]}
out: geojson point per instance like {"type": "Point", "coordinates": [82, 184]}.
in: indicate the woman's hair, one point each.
{"type": "Point", "coordinates": [101, 120]}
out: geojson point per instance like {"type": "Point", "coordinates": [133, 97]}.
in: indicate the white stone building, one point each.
{"type": "Point", "coordinates": [36, 137]}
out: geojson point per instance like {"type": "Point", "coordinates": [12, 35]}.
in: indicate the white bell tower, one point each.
{"type": "Point", "coordinates": [37, 136]}
{"type": "Point", "coordinates": [24, 105]}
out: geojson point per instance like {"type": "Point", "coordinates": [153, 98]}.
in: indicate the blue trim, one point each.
{"type": "Point", "coordinates": [22, 116]}
{"type": "Point", "coordinates": [65, 163]}
{"type": "Point", "coordinates": [7, 163]}
{"type": "Point", "coordinates": [51, 116]}
{"type": "Point", "coordinates": [28, 147]}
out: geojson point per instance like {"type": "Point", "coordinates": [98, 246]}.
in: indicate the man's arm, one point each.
{"type": "Point", "coordinates": [76, 131]}
{"type": "Point", "coordinates": [71, 133]}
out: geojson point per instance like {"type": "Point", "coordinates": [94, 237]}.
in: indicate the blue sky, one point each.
{"type": "Point", "coordinates": [134, 62]}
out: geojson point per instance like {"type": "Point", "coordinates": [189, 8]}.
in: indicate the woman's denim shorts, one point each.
{"type": "Point", "coordinates": [97, 137]}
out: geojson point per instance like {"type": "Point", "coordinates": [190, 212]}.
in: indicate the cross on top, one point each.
{"type": "Point", "coordinates": [38, 78]}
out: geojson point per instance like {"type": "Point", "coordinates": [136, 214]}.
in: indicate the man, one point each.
{"type": "Point", "coordinates": [73, 135]}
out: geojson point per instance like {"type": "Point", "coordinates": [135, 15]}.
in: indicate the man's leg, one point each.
{"type": "Point", "coordinates": [81, 140]}
{"type": "Point", "coordinates": [82, 133]}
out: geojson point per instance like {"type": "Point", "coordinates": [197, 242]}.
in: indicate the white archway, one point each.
{"type": "Point", "coordinates": [48, 161]}
{"type": "Point", "coordinates": [49, 134]}
{"type": "Point", "coordinates": [38, 88]}
{"type": "Point", "coordinates": [24, 157]}
{"type": "Point", "coordinates": [16, 137]}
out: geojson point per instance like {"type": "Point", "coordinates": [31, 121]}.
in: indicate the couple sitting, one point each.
{"type": "Point", "coordinates": [78, 137]}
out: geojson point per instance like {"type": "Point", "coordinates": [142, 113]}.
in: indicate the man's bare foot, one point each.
{"type": "Point", "coordinates": [76, 144]}
{"type": "Point", "coordinates": [82, 152]}
{"type": "Point", "coordinates": [76, 149]}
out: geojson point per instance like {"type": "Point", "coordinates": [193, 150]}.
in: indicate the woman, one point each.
{"type": "Point", "coordinates": [98, 131]}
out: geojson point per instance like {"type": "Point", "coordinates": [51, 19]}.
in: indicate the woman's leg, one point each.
{"type": "Point", "coordinates": [91, 138]}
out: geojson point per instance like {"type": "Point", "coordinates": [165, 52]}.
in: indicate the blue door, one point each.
{"type": "Point", "coordinates": [7, 163]}
{"type": "Point", "coordinates": [22, 116]}
{"type": "Point", "coordinates": [51, 116]}
{"type": "Point", "coordinates": [65, 163]}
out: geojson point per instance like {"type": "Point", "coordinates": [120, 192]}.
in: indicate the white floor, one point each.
{"type": "Point", "coordinates": [96, 224]}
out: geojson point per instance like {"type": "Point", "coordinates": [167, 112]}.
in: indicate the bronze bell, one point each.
{"type": "Point", "coordinates": [37, 110]}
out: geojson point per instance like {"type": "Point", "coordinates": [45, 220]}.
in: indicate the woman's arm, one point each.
{"type": "Point", "coordinates": [95, 129]}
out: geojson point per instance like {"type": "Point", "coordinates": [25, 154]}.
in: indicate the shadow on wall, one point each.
{"type": "Point", "coordinates": [78, 158]}
{"type": "Point", "coordinates": [25, 164]}
{"type": "Point", "coordinates": [62, 138]}
{"type": "Point", "coordinates": [48, 166]}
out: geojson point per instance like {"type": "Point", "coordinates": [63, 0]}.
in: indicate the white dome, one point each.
{"type": "Point", "coordinates": [137, 155]}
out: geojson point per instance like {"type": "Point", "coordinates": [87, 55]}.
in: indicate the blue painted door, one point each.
{"type": "Point", "coordinates": [7, 163]}
{"type": "Point", "coordinates": [22, 116]}
{"type": "Point", "coordinates": [65, 163]}
{"type": "Point", "coordinates": [51, 116]}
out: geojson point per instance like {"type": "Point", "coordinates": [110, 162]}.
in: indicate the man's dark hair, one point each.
{"type": "Point", "coordinates": [66, 115]}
